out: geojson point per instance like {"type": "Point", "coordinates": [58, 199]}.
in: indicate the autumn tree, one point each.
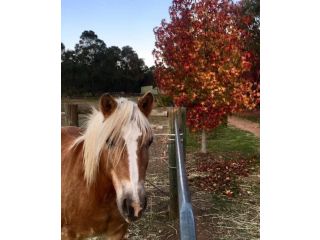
{"type": "Point", "coordinates": [249, 20]}
{"type": "Point", "coordinates": [201, 60]}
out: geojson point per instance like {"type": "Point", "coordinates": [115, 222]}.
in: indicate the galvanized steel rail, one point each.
{"type": "Point", "coordinates": [186, 218]}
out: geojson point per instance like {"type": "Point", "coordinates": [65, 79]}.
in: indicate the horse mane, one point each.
{"type": "Point", "coordinates": [104, 132]}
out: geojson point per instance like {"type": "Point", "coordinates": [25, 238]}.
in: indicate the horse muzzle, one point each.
{"type": "Point", "coordinates": [133, 210]}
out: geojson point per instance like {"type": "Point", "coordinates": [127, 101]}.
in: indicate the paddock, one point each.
{"type": "Point", "coordinates": [216, 215]}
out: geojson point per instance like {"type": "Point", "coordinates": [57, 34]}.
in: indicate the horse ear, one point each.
{"type": "Point", "coordinates": [145, 103]}
{"type": "Point", "coordinates": [107, 104]}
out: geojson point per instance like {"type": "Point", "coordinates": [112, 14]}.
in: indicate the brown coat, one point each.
{"type": "Point", "coordinates": [86, 210]}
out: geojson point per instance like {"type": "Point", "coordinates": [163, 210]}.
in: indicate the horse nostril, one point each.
{"type": "Point", "coordinates": [130, 212]}
{"type": "Point", "coordinates": [125, 206]}
{"type": "Point", "coordinates": [133, 210]}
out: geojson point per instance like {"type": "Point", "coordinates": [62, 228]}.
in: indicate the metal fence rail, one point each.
{"type": "Point", "coordinates": [187, 223]}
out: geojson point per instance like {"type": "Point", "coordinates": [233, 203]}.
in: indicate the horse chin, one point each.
{"type": "Point", "coordinates": [127, 220]}
{"type": "Point", "coordinates": [121, 211]}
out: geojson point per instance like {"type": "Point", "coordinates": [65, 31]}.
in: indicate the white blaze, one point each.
{"type": "Point", "coordinates": [131, 135]}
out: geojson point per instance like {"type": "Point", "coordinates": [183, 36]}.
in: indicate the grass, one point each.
{"type": "Point", "coordinates": [219, 216]}
{"type": "Point", "coordinates": [226, 140]}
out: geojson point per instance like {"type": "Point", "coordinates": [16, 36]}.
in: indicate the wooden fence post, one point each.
{"type": "Point", "coordinates": [71, 111]}
{"type": "Point", "coordinates": [173, 204]}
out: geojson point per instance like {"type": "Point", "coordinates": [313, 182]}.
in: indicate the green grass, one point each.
{"type": "Point", "coordinates": [235, 217]}
{"type": "Point", "coordinates": [226, 140]}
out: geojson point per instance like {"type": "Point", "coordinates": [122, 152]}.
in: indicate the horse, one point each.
{"type": "Point", "coordinates": [103, 169]}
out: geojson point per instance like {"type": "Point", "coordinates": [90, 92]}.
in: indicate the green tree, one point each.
{"type": "Point", "coordinates": [68, 71]}
{"type": "Point", "coordinates": [133, 69]}
{"type": "Point", "coordinates": [90, 52]}
{"type": "Point", "coordinates": [148, 78]}
{"type": "Point", "coordinates": [111, 70]}
{"type": "Point", "coordinates": [89, 48]}
{"type": "Point", "coordinates": [93, 68]}
{"type": "Point", "coordinates": [63, 49]}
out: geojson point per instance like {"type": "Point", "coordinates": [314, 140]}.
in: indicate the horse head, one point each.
{"type": "Point", "coordinates": [127, 138]}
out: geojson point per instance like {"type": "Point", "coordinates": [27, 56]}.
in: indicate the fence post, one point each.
{"type": "Point", "coordinates": [71, 111]}
{"type": "Point", "coordinates": [173, 204]}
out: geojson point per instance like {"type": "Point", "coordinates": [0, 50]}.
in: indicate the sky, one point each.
{"type": "Point", "coordinates": [116, 22]}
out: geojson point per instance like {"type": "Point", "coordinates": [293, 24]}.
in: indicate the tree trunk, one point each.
{"type": "Point", "coordinates": [203, 142]}
{"type": "Point", "coordinates": [224, 120]}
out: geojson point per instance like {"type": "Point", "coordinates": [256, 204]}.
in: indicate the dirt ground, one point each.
{"type": "Point", "coordinates": [216, 215]}
{"type": "Point", "coordinates": [245, 125]}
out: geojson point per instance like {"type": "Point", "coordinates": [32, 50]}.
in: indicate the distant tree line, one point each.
{"type": "Point", "coordinates": [92, 68]}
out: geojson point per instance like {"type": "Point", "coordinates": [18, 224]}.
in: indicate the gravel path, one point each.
{"type": "Point", "coordinates": [245, 125]}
